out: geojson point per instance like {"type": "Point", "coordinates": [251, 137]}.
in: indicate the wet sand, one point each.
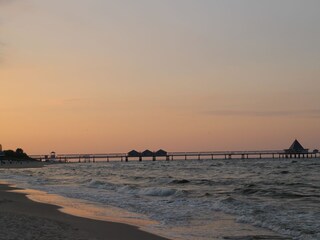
{"type": "Point", "coordinates": [21, 218]}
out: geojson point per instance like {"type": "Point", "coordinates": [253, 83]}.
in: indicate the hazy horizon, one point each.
{"type": "Point", "coordinates": [111, 76]}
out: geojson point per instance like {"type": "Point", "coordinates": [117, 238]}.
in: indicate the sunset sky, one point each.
{"type": "Point", "coordinates": [98, 76]}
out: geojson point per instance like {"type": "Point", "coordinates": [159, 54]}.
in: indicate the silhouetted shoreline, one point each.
{"type": "Point", "coordinates": [21, 164]}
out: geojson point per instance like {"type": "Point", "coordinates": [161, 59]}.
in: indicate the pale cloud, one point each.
{"type": "Point", "coordinates": [7, 1]}
{"type": "Point", "coordinates": [313, 113]}
{"type": "Point", "coordinates": [1, 50]}
{"type": "Point", "coordinates": [2, 2]}
{"type": "Point", "coordinates": [67, 102]}
{"type": "Point", "coordinates": [4, 6]}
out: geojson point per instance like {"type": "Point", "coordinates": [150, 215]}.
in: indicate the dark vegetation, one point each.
{"type": "Point", "coordinates": [18, 155]}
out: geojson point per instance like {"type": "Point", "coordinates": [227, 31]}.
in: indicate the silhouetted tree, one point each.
{"type": "Point", "coordinates": [19, 154]}
{"type": "Point", "coordinates": [19, 151]}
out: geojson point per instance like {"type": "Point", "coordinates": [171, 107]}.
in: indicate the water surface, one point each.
{"type": "Point", "coordinates": [193, 200]}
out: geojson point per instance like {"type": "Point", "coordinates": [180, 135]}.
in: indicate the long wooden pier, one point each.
{"type": "Point", "coordinates": [268, 154]}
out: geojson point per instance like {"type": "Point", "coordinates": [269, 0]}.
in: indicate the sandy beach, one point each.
{"type": "Point", "coordinates": [21, 218]}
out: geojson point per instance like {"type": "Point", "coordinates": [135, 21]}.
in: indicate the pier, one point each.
{"type": "Point", "coordinates": [294, 151]}
{"type": "Point", "coordinates": [170, 156]}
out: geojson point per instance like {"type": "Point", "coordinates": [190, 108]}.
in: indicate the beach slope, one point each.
{"type": "Point", "coordinates": [21, 218]}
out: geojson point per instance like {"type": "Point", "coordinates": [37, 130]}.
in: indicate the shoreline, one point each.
{"type": "Point", "coordinates": [21, 217]}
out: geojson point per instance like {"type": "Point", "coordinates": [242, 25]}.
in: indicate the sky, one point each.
{"type": "Point", "coordinates": [100, 76]}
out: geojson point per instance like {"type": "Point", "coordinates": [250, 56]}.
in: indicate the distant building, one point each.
{"type": "Point", "coordinates": [134, 153]}
{"type": "Point", "coordinates": [147, 153]}
{"type": "Point", "coordinates": [296, 147]}
{"type": "Point", "coordinates": [161, 153]}
{"type": "Point", "coordinates": [52, 157]}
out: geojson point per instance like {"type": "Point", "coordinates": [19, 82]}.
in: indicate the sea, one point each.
{"type": "Point", "coordinates": [192, 199]}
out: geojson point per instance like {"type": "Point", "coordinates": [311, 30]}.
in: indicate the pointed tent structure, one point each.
{"type": "Point", "coordinates": [296, 147]}
{"type": "Point", "coordinates": [134, 153]}
{"type": "Point", "coordinates": [147, 153]}
{"type": "Point", "coordinates": [161, 153]}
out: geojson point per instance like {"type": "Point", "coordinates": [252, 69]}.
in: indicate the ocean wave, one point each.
{"type": "Point", "coordinates": [182, 181]}
{"type": "Point", "coordinates": [98, 184]}
{"type": "Point", "coordinates": [273, 192]}
{"type": "Point", "coordinates": [149, 191]}
{"type": "Point", "coordinates": [276, 218]}
{"type": "Point", "coordinates": [159, 192]}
